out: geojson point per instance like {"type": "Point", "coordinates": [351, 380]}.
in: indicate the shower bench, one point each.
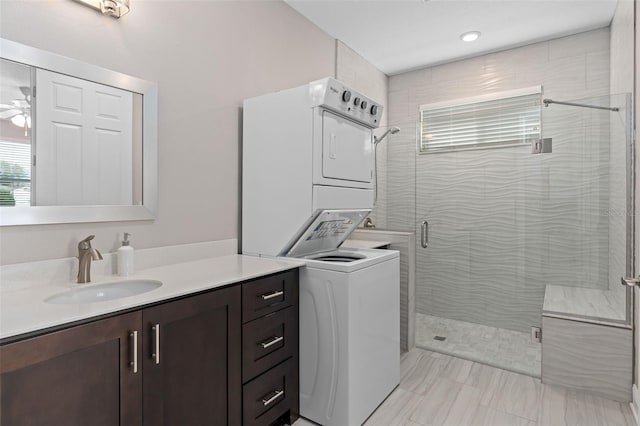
{"type": "Point", "coordinates": [586, 342]}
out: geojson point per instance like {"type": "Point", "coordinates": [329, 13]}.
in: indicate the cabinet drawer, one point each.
{"type": "Point", "coordinates": [271, 395]}
{"type": "Point", "coordinates": [268, 341]}
{"type": "Point", "coordinates": [268, 295]}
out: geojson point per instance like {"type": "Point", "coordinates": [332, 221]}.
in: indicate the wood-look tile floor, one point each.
{"type": "Point", "coordinates": [437, 389]}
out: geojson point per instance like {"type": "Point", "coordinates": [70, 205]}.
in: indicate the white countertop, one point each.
{"type": "Point", "coordinates": [365, 244]}
{"type": "Point", "coordinates": [23, 310]}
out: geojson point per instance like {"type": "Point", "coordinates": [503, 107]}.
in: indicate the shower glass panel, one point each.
{"type": "Point", "coordinates": [504, 223]}
{"type": "Point", "coordinates": [588, 194]}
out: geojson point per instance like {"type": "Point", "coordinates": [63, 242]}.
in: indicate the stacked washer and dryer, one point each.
{"type": "Point", "coordinates": [307, 183]}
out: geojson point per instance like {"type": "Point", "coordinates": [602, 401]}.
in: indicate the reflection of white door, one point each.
{"type": "Point", "coordinates": [83, 143]}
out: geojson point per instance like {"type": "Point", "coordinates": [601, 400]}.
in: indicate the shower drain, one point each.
{"type": "Point", "coordinates": [440, 338]}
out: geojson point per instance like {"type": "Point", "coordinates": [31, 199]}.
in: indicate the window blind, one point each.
{"type": "Point", "coordinates": [15, 170]}
{"type": "Point", "coordinates": [501, 121]}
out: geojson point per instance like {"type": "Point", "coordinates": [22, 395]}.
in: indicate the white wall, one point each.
{"type": "Point", "coordinates": [207, 56]}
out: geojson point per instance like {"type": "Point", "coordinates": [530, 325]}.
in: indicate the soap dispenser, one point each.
{"type": "Point", "coordinates": [125, 257]}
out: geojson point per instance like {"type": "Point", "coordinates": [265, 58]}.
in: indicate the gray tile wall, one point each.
{"type": "Point", "coordinates": [504, 223]}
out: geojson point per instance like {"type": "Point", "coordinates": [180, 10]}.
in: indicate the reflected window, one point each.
{"type": "Point", "coordinates": [15, 134]}
{"type": "Point", "coordinates": [15, 174]}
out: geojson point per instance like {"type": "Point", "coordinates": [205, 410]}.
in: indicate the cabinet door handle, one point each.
{"type": "Point", "coordinates": [134, 351]}
{"type": "Point", "coordinates": [272, 295]}
{"type": "Point", "coordinates": [275, 396]}
{"type": "Point", "coordinates": [156, 343]}
{"type": "Point", "coordinates": [271, 342]}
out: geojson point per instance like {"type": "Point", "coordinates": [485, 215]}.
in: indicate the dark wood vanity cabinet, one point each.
{"type": "Point", "coordinates": [191, 361]}
{"type": "Point", "coordinates": [270, 349]}
{"type": "Point", "coordinates": [79, 376]}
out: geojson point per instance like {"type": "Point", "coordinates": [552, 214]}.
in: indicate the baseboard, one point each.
{"type": "Point", "coordinates": [635, 404]}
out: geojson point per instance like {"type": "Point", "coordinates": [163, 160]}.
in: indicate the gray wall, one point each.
{"type": "Point", "coordinates": [206, 57]}
{"type": "Point", "coordinates": [357, 72]}
{"type": "Point", "coordinates": [504, 223]}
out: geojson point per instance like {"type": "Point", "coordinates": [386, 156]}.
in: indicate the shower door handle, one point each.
{"type": "Point", "coordinates": [630, 282]}
{"type": "Point", "coordinates": [424, 235]}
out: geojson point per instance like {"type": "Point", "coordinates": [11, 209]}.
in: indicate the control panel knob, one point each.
{"type": "Point", "coordinates": [356, 101]}
{"type": "Point", "coordinates": [363, 105]}
{"type": "Point", "coordinates": [374, 109]}
{"type": "Point", "coordinates": [346, 95]}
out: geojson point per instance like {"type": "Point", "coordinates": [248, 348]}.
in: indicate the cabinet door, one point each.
{"type": "Point", "coordinates": [75, 377]}
{"type": "Point", "coordinates": [192, 361]}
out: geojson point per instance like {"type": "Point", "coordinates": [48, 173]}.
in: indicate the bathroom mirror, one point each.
{"type": "Point", "coordinates": [78, 143]}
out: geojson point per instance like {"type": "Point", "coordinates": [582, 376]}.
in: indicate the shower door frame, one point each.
{"type": "Point", "coordinates": [631, 208]}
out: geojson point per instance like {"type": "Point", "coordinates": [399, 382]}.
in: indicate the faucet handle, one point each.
{"type": "Point", "coordinates": [86, 243]}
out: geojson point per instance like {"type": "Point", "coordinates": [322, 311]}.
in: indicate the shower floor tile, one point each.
{"type": "Point", "coordinates": [497, 347]}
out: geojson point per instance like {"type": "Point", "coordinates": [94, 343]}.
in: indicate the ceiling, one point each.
{"type": "Point", "coordinates": [401, 35]}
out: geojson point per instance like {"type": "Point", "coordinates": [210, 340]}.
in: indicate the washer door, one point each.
{"type": "Point", "coordinates": [326, 232]}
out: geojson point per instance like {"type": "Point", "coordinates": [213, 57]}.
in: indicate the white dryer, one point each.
{"type": "Point", "coordinates": [304, 150]}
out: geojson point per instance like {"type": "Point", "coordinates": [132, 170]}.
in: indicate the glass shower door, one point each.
{"type": "Point", "coordinates": [503, 225]}
{"type": "Point", "coordinates": [479, 289]}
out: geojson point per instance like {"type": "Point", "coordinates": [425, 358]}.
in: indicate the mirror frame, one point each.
{"type": "Point", "coordinates": [40, 215]}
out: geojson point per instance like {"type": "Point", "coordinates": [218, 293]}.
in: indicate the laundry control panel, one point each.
{"type": "Point", "coordinates": [334, 95]}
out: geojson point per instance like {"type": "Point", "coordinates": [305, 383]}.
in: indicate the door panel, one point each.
{"type": "Point", "coordinates": [83, 143]}
{"type": "Point", "coordinates": [75, 377]}
{"type": "Point", "coordinates": [192, 365]}
{"type": "Point", "coordinates": [347, 149]}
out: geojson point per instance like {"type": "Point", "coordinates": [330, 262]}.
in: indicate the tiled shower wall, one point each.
{"type": "Point", "coordinates": [503, 222]}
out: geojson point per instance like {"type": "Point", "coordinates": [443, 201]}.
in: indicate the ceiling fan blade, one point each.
{"type": "Point", "coordinates": [20, 103]}
{"type": "Point", "coordinates": [7, 106]}
{"type": "Point", "coordinates": [10, 113]}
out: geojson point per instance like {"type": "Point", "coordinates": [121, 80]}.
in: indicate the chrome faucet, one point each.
{"type": "Point", "coordinates": [85, 255]}
{"type": "Point", "coordinates": [368, 223]}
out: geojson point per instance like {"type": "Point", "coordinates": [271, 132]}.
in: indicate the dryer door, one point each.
{"type": "Point", "coordinates": [347, 149]}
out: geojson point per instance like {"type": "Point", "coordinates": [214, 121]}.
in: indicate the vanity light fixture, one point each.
{"type": "Point", "coordinates": [115, 8]}
{"type": "Point", "coordinates": [470, 36]}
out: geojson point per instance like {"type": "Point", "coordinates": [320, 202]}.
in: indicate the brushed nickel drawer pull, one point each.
{"type": "Point", "coordinates": [272, 295]}
{"type": "Point", "coordinates": [134, 351]}
{"type": "Point", "coordinates": [277, 395]}
{"type": "Point", "coordinates": [156, 343]}
{"type": "Point", "coordinates": [271, 342]}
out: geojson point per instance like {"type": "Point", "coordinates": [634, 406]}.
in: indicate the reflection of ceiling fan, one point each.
{"type": "Point", "coordinates": [19, 111]}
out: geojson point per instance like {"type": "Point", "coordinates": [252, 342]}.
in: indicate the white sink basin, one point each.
{"type": "Point", "coordinates": [103, 292]}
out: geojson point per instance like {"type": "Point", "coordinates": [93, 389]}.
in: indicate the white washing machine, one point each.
{"type": "Point", "coordinates": [307, 182]}
{"type": "Point", "coordinates": [349, 334]}
{"type": "Point", "coordinates": [349, 323]}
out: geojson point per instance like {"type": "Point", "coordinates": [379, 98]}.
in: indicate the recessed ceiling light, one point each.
{"type": "Point", "coordinates": [470, 36]}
